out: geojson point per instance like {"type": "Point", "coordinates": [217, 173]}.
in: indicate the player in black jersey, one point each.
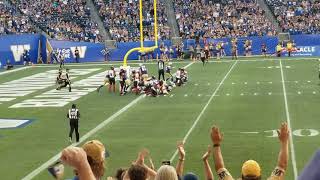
{"type": "Point", "coordinates": [64, 80]}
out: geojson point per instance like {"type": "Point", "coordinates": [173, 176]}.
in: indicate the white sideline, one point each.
{"type": "Point", "coordinates": [14, 70]}
{"type": "Point", "coordinates": [293, 156]}
{"type": "Point", "coordinates": [204, 108]}
{"type": "Point", "coordinates": [52, 160]}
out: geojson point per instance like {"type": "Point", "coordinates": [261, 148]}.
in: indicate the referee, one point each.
{"type": "Point", "coordinates": [73, 115]}
{"type": "Point", "coordinates": [161, 69]}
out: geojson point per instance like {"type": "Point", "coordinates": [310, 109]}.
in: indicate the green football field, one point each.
{"type": "Point", "coordinates": [247, 99]}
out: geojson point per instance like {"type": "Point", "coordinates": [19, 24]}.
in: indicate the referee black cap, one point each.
{"type": "Point", "coordinates": [73, 106]}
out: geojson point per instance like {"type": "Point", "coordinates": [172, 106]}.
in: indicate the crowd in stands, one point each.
{"type": "Point", "coordinates": [11, 22]}
{"type": "Point", "coordinates": [297, 16]}
{"type": "Point", "coordinates": [221, 18]}
{"type": "Point", "coordinates": [70, 19]}
{"type": "Point", "coordinates": [121, 18]}
{"type": "Point", "coordinates": [89, 162]}
{"type": "Point", "coordinates": [62, 20]}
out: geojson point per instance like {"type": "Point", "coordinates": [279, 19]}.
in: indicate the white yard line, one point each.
{"type": "Point", "coordinates": [249, 132]}
{"type": "Point", "coordinates": [14, 70]}
{"type": "Point", "coordinates": [52, 160]}
{"type": "Point", "coordinates": [204, 108]}
{"type": "Point", "coordinates": [293, 156]}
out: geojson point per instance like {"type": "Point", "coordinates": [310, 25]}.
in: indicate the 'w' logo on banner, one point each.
{"type": "Point", "coordinates": [17, 51]}
{"type": "Point", "coordinates": [82, 51]}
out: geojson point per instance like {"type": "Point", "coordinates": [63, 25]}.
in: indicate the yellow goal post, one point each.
{"type": "Point", "coordinates": [142, 48]}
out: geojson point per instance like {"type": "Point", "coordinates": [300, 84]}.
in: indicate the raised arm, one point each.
{"type": "Point", "coordinates": [77, 158]}
{"type": "Point", "coordinates": [216, 138]}
{"type": "Point", "coordinates": [207, 168]}
{"type": "Point", "coordinates": [283, 135]}
{"type": "Point", "coordinates": [182, 155]}
{"type": "Point", "coordinates": [140, 160]}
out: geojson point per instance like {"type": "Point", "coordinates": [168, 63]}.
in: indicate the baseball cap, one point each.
{"type": "Point", "coordinates": [251, 168]}
{"type": "Point", "coordinates": [190, 176]}
{"type": "Point", "coordinates": [95, 149]}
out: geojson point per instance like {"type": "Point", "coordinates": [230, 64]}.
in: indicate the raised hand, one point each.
{"type": "Point", "coordinates": [283, 133]}
{"type": "Point", "coordinates": [207, 154]}
{"type": "Point", "coordinates": [142, 154]}
{"type": "Point", "coordinates": [216, 136]}
{"type": "Point", "coordinates": [180, 146]}
{"type": "Point", "coordinates": [74, 157]}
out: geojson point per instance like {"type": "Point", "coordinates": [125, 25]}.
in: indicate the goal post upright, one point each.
{"type": "Point", "coordinates": [142, 48]}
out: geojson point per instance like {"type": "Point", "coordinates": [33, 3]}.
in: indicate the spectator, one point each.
{"type": "Point", "coordinates": [121, 18]}
{"type": "Point", "coordinates": [251, 169]}
{"type": "Point", "coordinates": [137, 172]}
{"type": "Point", "coordinates": [13, 23]}
{"type": "Point", "coordinates": [232, 18]}
{"type": "Point", "coordinates": [77, 158]}
{"type": "Point", "coordinates": [96, 156]}
{"type": "Point", "coordinates": [63, 20]}
{"type": "Point", "coordinates": [297, 17]}
{"type": "Point", "coordinates": [166, 172]}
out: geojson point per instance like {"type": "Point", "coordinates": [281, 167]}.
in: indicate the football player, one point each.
{"type": "Point", "coordinates": [178, 77]}
{"type": "Point", "coordinates": [184, 75]}
{"type": "Point", "coordinates": [144, 72]}
{"type": "Point", "coordinates": [123, 78]}
{"type": "Point", "coordinates": [109, 80]}
{"type": "Point", "coordinates": [136, 80]}
{"type": "Point", "coordinates": [64, 80]}
{"type": "Point", "coordinates": [168, 71]}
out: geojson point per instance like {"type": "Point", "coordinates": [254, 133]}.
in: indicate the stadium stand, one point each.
{"type": "Point", "coordinates": [297, 17]}
{"type": "Point", "coordinates": [63, 20]}
{"type": "Point", "coordinates": [221, 18]}
{"type": "Point", "coordinates": [11, 22]}
{"type": "Point", "coordinates": [121, 18]}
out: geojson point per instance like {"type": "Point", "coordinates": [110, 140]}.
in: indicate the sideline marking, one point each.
{"type": "Point", "coordinates": [293, 156]}
{"type": "Point", "coordinates": [204, 108]}
{"type": "Point", "coordinates": [14, 70]}
{"type": "Point", "coordinates": [52, 160]}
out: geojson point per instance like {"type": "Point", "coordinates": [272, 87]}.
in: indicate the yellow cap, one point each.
{"type": "Point", "coordinates": [251, 168]}
{"type": "Point", "coordinates": [95, 149]}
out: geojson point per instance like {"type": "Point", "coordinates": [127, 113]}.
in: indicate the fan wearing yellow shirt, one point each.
{"type": "Point", "coordinates": [279, 50]}
{"type": "Point", "coordinates": [251, 169]}
{"type": "Point", "coordinates": [289, 48]}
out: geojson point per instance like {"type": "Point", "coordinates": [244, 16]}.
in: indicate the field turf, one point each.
{"type": "Point", "coordinates": [247, 99]}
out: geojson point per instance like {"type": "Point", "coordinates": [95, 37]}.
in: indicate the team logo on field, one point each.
{"type": "Point", "coordinates": [17, 51]}
{"type": "Point", "coordinates": [13, 123]}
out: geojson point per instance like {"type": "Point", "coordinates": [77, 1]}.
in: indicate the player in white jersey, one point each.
{"type": "Point", "coordinates": [178, 77]}
{"type": "Point", "coordinates": [144, 72]}
{"type": "Point", "coordinates": [109, 80]}
{"type": "Point", "coordinates": [136, 80]}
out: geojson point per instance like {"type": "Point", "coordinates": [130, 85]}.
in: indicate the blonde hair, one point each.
{"type": "Point", "coordinates": [166, 172]}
